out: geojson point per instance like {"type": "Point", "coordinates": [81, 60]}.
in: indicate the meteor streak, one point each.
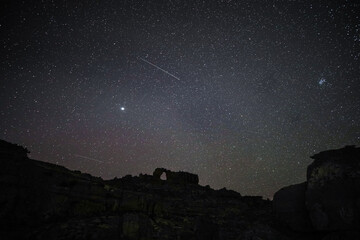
{"type": "Point", "coordinates": [160, 68]}
{"type": "Point", "coordinates": [88, 158]}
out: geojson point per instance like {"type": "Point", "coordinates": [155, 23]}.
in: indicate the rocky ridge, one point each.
{"type": "Point", "coordinates": [40, 200]}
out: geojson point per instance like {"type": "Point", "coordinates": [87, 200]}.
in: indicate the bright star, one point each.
{"type": "Point", "coordinates": [122, 109]}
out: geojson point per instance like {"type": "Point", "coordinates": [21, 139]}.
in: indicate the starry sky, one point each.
{"type": "Point", "coordinates": [239, 92]}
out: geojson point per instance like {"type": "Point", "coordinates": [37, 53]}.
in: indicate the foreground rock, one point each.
{"type": "Point", "coordinates": [39, 201]}
{"type": "Point", "coordinates": [289, 204]}
{"type": "Point", "coordinates": [44, 201]}
{"type": "Point", "coordinates": [329, 200]}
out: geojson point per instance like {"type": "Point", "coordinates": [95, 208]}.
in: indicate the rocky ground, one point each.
{"type": "Point", "coordinates": [40, 200]}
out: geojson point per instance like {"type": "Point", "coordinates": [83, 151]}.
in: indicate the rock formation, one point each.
{"type": "Point", "coordinates": [289, 203]}
{"type": "Point", "coordinates": [12, 151]}
{"type": "Point", "coordinates": [176, 177]}
{"type": "Point", "coordinates": [39, 200]}
{"type": "Point", "coordinates": [330, 199]}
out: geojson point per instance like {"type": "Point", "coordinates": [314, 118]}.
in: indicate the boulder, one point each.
{"type": "Point", "coordinates": [289, 206]}
{"type": "Point", "coordinates": [330, 198]}
{"type": "Point", "coordinates": [333, 190]}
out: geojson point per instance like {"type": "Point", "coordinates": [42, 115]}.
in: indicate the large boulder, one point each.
{"type": "Point", "coordinates": [333, 191]}
{"type": "Point", "coordinates": [330, 199]}
{"type": "Point", "coordinates": [289, 206]}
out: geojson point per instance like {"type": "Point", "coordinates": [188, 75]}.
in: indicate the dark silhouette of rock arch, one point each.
{"type": "Point", "coordinates": [176, 177]}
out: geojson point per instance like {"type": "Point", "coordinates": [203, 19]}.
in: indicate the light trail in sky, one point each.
{"type": "Point", "coordinates": [88, 158]}
{"type": "Point", "coordinates": [172, 75]}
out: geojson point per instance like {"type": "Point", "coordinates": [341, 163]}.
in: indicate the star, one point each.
{"type": "Point", "coordinates": [122, 108]}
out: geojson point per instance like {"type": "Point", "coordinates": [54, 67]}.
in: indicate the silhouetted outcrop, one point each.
{"type": "Point", "coordinates": [329, 200]}
{"type": "Point", "coordinates": [39, 200]}
{"type": "Point", "coordinates": [176, 177]}
{"type": "Point", "coordinates": [289, 203]}
{"type": "Point", "coordinates": [12, 151]}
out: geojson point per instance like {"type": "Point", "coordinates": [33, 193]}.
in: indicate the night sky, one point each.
{"type": "Point", "coordinates": [239, 92]}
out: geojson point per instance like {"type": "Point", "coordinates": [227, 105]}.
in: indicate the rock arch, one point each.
{"type": "Point", "coordinates": [176, 177]}
{"type": "Point", "coordinates": [158, 172]}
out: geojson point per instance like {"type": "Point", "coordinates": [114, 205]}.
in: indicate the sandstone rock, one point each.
{"type": "Point", "coordinates": [45, 201]}
{"type": "Point", "coordinates": [12, 151]}
{"type": "Point", "coordinates": [342, 235]}
{"type": "Point", "coordinates": [289, 206]}
{"type": "Point", "coordinates": [39, 200]}
{"type": "Point", "coordinates": [206, 229]}
{"type": "Point", "coordinates": [176, 177]}
{"type": "Point", "coordinates": [333, 190]}
{"type": "Point", "coordinates": [331, 195]}
{"type": "Point", "coordinates": [261, 232]}
{"type": "Point", "coordinates": [136, 226]}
